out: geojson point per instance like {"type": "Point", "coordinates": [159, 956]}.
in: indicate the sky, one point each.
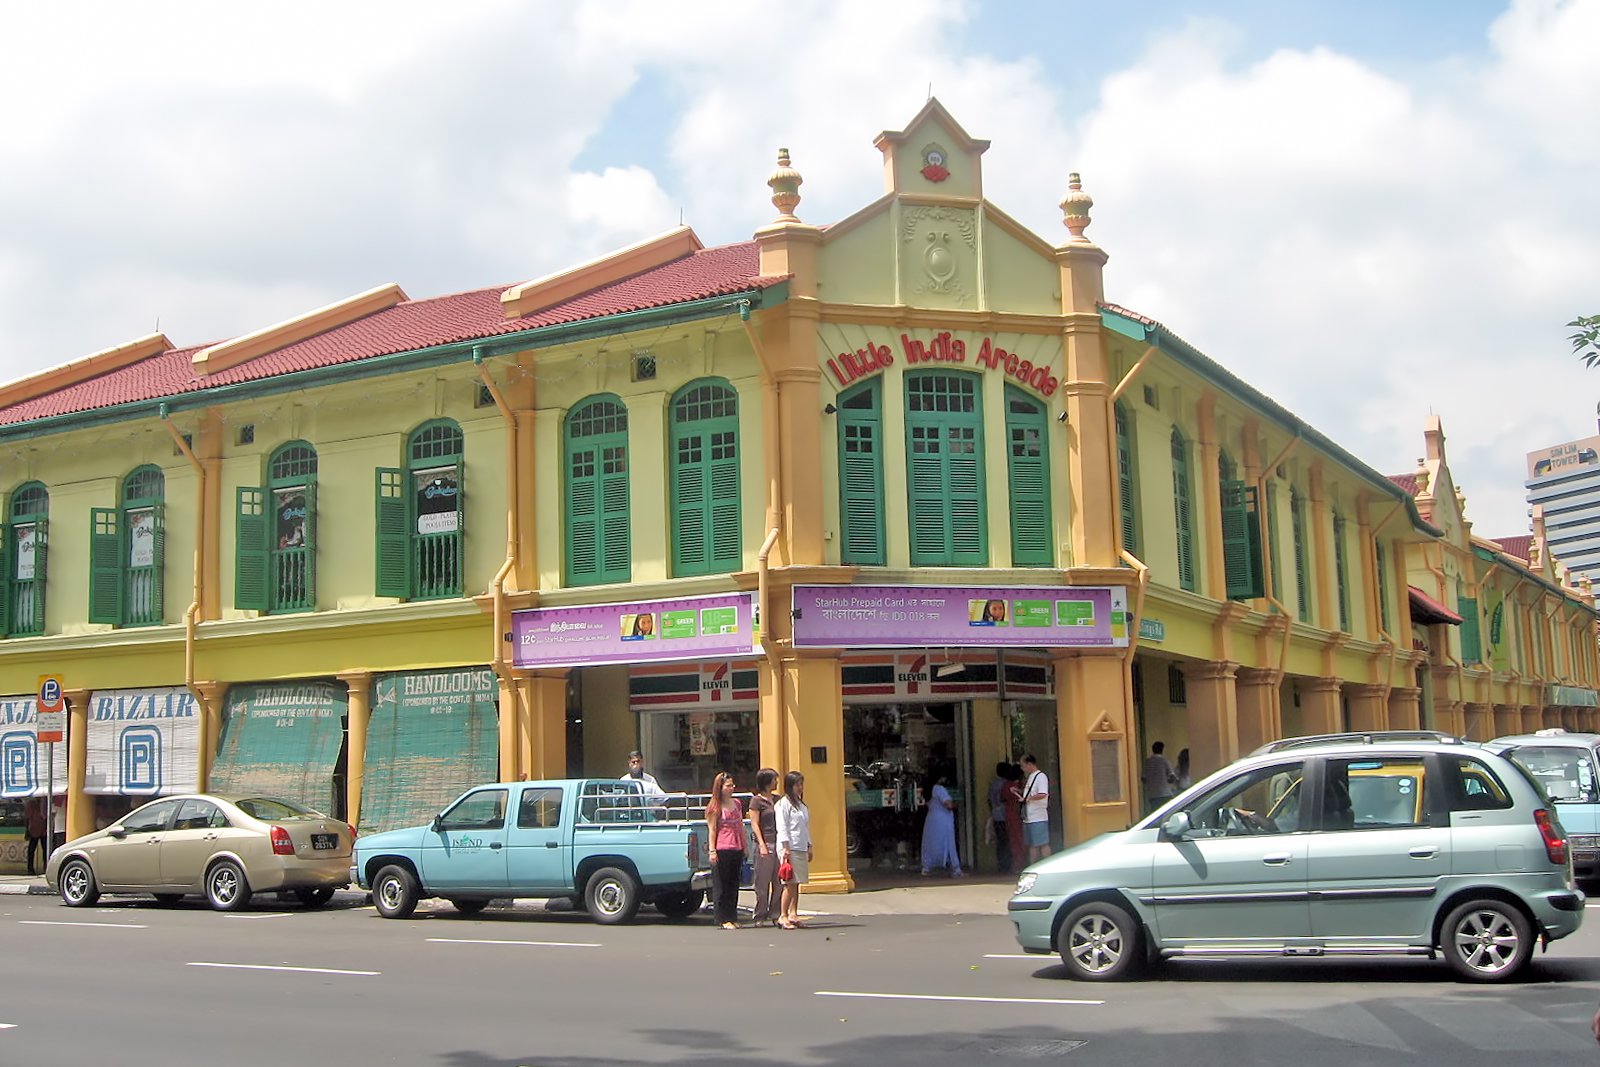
{"type": "Point", "coordinates": [1370, 210]}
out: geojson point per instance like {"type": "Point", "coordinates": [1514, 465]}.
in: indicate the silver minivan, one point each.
{"type": "Point", "coordinates": [1565, 765]}
{"type": "Point", "coordinates": [1405, 843]}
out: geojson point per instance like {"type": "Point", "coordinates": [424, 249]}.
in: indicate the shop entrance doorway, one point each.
{"type": "Point", "coordinates": [893, 755]}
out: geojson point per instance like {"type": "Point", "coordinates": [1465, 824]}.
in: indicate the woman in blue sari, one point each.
{"type": "Point", "coordinates": [939, 830]}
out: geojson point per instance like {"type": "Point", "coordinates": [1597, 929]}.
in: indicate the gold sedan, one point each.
{"type": "Point", "coordinates": [226, 848]}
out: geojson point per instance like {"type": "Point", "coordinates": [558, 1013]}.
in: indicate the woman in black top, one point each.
{"type": "Point", "coordinates": [764, 821]}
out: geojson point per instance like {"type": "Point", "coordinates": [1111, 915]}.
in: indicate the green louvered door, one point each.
{"type": "Point", "coordinates": [944, 452]}
{"type": "Point", "coordinates": [1028, 465]}
{"type": "Point", "coordinates": [1125, 486]}
{"type": "Point", "coordinates": [251, 525]}
{"type": "Point", "coordinates": [391, 531]}
{"type": "Point", "coordinates": [598, 516]}
{"type": "Point", "coordinates": [861, 476]}
{"type": "Point", "coordinates": [1241, 540]}
{"type": "Point", "coordinates": [705, 481]}
{"type": "Point", "coordinates": [1183, 511]}
{"type": "Point", "coordinates": [105, 566]}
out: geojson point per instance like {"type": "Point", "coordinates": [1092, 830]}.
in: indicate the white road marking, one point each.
{"type": "Point", "coordinates": [263, 915]}
{"type": "Point", "coordinates": [8, 1026]}
{"type": "Point", "coordinates": [973, 1000]}
{"type": "Point", "coordinates": [493, 941]}
{"type": "Point", "coordinates": [268, 967]}
{"type": "Point", "coordinates": [108, 926]}
{"type": "Point", "coordinates": [1040, 956]}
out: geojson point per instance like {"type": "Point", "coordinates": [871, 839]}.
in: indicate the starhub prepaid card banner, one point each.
{"type": "Point", "coordinates": [921, 616]}
{"type": "Point", "coordinates": [650, 631]}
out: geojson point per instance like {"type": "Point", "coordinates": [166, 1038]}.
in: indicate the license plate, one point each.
{"type": "Point", "coordinates": [323, 842]}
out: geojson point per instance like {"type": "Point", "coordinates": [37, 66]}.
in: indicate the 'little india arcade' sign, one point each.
{"type": "Point", "coordinates": [871, 358]}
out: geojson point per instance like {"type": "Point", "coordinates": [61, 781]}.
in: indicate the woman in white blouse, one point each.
{"type": "Point", "coordinates": [794, 846]}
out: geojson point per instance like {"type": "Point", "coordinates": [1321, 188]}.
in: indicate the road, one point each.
{"type": "Point", "coordinates": [135, 983]}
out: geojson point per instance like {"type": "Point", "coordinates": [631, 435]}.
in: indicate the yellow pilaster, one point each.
{"type": "Point", "coordinates": [80, 808]}
{"type": "Point", "coordinates": [1319, 705]}
{"type": "Point", "coordinates": [1405, 708]}
{"type": "Point", "coordinates": [1208, 487]}
{"type": "Point", "coordinates": [1213, 715]}
{"type": "Point", "coordinates": [813, 715]}
{"type": "Point", "coordinates": [1259, 697]}
{"type": "Point", "coordinates": [1507, 719]}
{"type": "Point", "coordinates": [508, 720]}
{"type": "Point", "coordinates": [1323, 575]}
{"type": "Point", "coordinates": [547, 724]}
{"type": "Point", "coordinates": [1091, 712]}
{"type": "Point", "coordinates": [1480, 721]}
{"type": "Point", "coordinates": [1369, 708]}
{"type": "Point", "coordinates": [208, 448]}
{"type": "Point", "coordinates": [1532, 718]}
{"type": "Point", "coordinates": [1450, 717]}
{"type": "Point", "coordinates": [1091, 430]}
{"type": "Point", "coordinates": [211, 695]}
{"type": "Point", "coordinates": [358, 684]}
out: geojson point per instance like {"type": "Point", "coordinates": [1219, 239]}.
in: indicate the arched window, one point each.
{"type": "Point", "coordinates": [944, 456]}
{"type": "Point", "coordinates": [1302, 578]}
{"type": "Point", "coordinates": [1183, 510]}
{"type": "Point", "coordinates": [22, 568]}
{"type": "Point", "coordinates": [421, 520]}
{"type": "Point", "coordinates": [127, 553]}
{"type": "Point", "coordinates": [1341, 572]}
{"type": "Point", "coordinates": [276, 555]}
{"type": "Point", "coordinates": [1126, 484]}
{"type": "Point", "coordinates": [1241, 531]}
{"type": "Point", "coordinates": [598, 515]}
{"type": "Point", "coordinates": [1028, 467]}
{"type": "Point", "coordinates": [860, 420]}
{"type": "Point", "coordinates": [704, 458]}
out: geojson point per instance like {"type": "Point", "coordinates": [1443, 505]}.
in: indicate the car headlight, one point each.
{"type": "Point", "coordinates": [1024, 884]}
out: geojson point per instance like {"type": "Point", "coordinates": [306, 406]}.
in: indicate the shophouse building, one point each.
{"type": "Point", "coordinates": [901, 495]}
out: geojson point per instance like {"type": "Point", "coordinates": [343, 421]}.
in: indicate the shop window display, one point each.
{"type": "Point", "coordinates": [685, 750]}
{"type": "Point", "coordinates": [890, 751]}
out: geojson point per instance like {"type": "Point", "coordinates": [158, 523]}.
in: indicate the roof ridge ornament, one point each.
{"type": "Point", "coordinates": [785, 183]}
{"type": "Point", "coordinates": [1075, 208]}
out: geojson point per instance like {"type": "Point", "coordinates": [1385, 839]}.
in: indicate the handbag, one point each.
{"type": "Point", "coordinates": [785, 872]}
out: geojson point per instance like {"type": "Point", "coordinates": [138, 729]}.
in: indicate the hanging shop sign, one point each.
{"type": "Point", "coordinates": [1152, 629]}
{"type": "Point", "coordinates": [718, 685]}
{"type": "Point", "coordinates": [947, 347]}
{"type": "Point", "coordinates": [702, 627]}
{"type": "Point", "coordinates": [282, 740]}
{"type": "Point", "coordinates": [921, 616]}
{"type": "Point", "coordinates": [23, 768]}
{"type": "Point", "coordinates": [432, 736]}
{"type": "Point", "coordinates": [142, 742]}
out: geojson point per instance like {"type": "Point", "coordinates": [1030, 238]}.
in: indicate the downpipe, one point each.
{"type": "Point", "coordinates": [191, 614]}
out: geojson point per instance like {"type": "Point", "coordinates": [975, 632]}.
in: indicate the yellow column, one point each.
{"type": "Point", "coordinates": [359, 686]}
{"type": "Point", "coordinates": [80, 808]}
{"type": "Point", "coordinates": [1259, 697]}
{"type": "Point", "coordinates": [547, 724]}
{"type": "Point", "coordinates": [1091, 433]}
{"type": "Point", "coordinates": [508, 719]}
{"type": "Point", "coordinates": [1093, 735]}
{"type": "Point", "coordinates": [210, 711]}
{"type": "Point", "coordinates": [1369, 708]}
{"type": "Point", "coordinates": [1450, 717]}
{"type": "Point", "coordinates": [1507, 719]}
{"type": "Point", "coordinates": [1480, 722]}
{"type": "Point", "coordinates": [815, 740]}
{"type": "Point", "coordinates": [1323, 575]}
{"type": "Point", "coordinates": [1532, 718]}
{"type": "Point", "coordinates": [1319, 705]}
{"type": "Point", "coordinates": [1213, 715]}
{"type": "Point", "coordinates": [1405, 708]}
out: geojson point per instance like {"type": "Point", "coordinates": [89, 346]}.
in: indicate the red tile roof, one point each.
{"type": "Point", "coordinates": [1408, 482]}
{"type": "Point", "coordinates": [1425, 609]}
{"type": "Point", "coordinates": [1520, 546]}
{"type": "Point", "coordinates": [412, 325]}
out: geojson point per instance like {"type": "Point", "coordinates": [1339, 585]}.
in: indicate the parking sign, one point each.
{"type": "Point", "coordinates": [52, 722]}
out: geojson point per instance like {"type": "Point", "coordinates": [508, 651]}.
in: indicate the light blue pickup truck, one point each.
{"type": "Point", "coordinates": [600, 842]}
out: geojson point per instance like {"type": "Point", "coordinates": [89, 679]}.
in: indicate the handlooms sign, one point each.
{"type": "Point", "coordinates": [943, 347]}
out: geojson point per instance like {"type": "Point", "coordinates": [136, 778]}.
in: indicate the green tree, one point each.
{"type": "Point", "coordinates": [1586, 342]}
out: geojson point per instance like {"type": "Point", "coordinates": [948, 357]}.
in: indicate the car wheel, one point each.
{"type": "Point", "coordinates": [167, 898]}
{"type": "Point", "coordinates": [467, 906]}
{"type": "Point", "coordinates": [1099, 942]}
{"type": "Point", "coordinates": [612, 896]}
{"type": "Point", "coordinates": [78, 887]}
{"type": "Point", "coordinates": [1486, 940]}
{"type": "Point", "coordinates": [395, 893]}
{"type": "Point", "coordinates": [314, 898]}
{"type": "Point", "coordinates": [226, 887]}
{"type": "Point", "coordinates": [680, 905]}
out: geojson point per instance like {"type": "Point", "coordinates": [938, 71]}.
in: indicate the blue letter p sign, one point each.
{"type": "Point", "coordinates": [16, 764]}
{"type": "Point", "coordinates": [140, 758]}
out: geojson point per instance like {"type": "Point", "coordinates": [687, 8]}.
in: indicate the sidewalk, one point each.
{"type": "Point", "coordinates": [976, 895]}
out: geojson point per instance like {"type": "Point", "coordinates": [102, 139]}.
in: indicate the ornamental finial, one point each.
{"type": "Point", "coordinates": [785, 183]}
{"type": "Point", "coordinates": [1075, 208]}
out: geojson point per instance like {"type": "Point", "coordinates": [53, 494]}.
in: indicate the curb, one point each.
{"type": "Point", "coordinates": [25, 890]}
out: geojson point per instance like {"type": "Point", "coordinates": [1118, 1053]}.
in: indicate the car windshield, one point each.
{"type": "Point", "coordinates": [271, 809]}
{"type": "Point", "coordinates": [1565, 773]}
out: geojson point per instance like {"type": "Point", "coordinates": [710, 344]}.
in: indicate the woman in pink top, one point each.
{"type": "Point", "coordinates": [725, 826]}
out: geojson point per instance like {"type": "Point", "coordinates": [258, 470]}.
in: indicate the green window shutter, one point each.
{"type": "Point", "coordinates": [1272, 541]}
{"type": "Point", "coordinates": [861, 477]}
{"type": "Point", "coordinates": [1125, 487]}
{"type": "Point", "coordinates": [616, 514]}
{"type": "Point", "coordinates": [1383, 585]}
{"type": "Point", "coordinates": [583, 516]}
{"type": "Point", "coordinates": [158, 576]}
{"type": "Point", "coordinates": [1297, 520]}
{"type": "Point", "coordinates": [597, 494]}
{"type": "Point", "coordinates": [105, 566]}
{"type": "Point", "coordinates": [1341, 573]}
{"type": "Point", "coordinates": [252, 527]}
{"type": "Point", "coordinates": [8, 568]}
{"type": "Point", "coordinates": [393, 534]}
{"type": "Point", "coordinates": [1471, 645]}
{"type": "Point", "coordinates": [944, 428]}
{"type": "Point", "coordinates": [1241, 540]}
{"type": "Point", "coordinates": [1183, 511]}
{"type": "Point", "coordinates": [705, 480]}
{"type": "Point", "coordinates": [1028, 465]}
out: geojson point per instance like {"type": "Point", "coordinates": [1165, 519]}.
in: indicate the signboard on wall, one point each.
{"type": "Point", "coordinates": [921, 616]}
{"type": "Point", "coordinates": [647, 631]}
{"type": "Point", "coordinates": [23, 771]}
{"type": "Point", "coordinates": [1567, 458]}
{"type": "Point", "coordinates": [143, 742]}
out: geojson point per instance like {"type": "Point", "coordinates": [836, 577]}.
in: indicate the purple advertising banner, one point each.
{"type": "Point", "coordinates": [649, 631]}
{"type": "Point", "coordinates": [919, 616]}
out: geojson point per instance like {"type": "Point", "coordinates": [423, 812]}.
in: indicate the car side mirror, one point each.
{"type": "Point", "coordinates": [117, 832]}
{"type": "Point", "coordinates": [438, 824]}
{"type": "Point", "coordinates": [1177, 827]}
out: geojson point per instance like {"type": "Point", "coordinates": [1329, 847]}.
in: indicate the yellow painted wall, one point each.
{"type": "Point", "coordinates": [856, 263]}
{"type": "Point", "coordinates": [1019, 277]}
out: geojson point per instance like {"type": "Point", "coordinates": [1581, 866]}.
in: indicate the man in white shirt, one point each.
{"type": "Point", "coordinates": [1160, 778]}
{"type": "Point", "coordinates": [1035, 809]}
{"type": "Point", "coordinates": [637, 773]}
